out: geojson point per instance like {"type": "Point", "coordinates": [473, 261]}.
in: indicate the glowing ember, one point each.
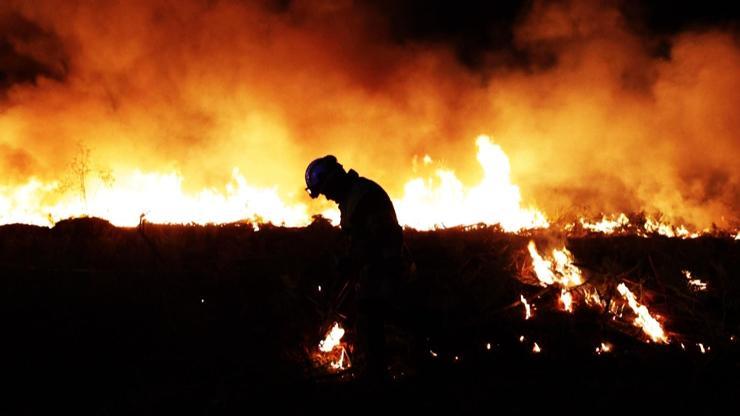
{"type": "Point", "coordinates": [488, 346]}
{"type": "Point", "coordinates": [495, 200]}
{"type": "Point", "coordinates": [701, 348]}
{"type": "Point", "coordinates": [527, 308]}
{"type": "Point", "coordinates": [604, 348]}
{"type": "Point", "coordinates": [434, 354]}
{"type": "Point", "coordinates": [536, 348]}
{"type": "Point", "coordinates": [694, 284]}
{"type": "Point", "coordinates": [566, 299]}
{"type": "Point", "coordinates": [564, 272]}
{"type": "Point", "coordinates": [644, 320]}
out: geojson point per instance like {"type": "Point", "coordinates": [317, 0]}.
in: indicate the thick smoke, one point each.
{"type": "Point", "coordinates": [595, 113]}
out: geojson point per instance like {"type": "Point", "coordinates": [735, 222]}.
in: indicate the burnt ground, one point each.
{"type": "Point", "coordinates": [218, 320]}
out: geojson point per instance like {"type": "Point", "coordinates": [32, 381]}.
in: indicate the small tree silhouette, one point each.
{"type": "Point", "coordinates": [80, 171]}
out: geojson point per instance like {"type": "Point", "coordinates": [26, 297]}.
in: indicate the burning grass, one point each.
{"type": "Point", "coordinates": [213, 303]}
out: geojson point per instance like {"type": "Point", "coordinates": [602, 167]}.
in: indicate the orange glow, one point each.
{"type": "Point", "coordinates": [644, 320]}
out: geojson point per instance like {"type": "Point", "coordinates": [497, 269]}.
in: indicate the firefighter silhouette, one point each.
{"type": "Point", "coordinates": [375, 256]}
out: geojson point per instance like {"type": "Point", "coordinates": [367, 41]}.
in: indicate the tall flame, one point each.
{"type": "Point", "coordinates": [495, 200]}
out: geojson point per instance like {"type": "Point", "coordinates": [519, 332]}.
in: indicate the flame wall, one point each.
{"type": "Point", "coordinates": [603, 117]}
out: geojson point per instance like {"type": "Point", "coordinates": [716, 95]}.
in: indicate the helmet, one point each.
{"type": "Point", "coordinates": [318, 172]}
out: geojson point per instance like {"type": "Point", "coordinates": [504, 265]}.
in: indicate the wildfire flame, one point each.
{"type": "Point", "coordinates": [527, 308]}
{"type": "Point", "coordinates": [495, 200]}
{"type": "Point", "coordinates": [566, 299]}
{"type": "Point", "coordinates": [126, 197]}
{"type": "Point", "coordinates": [563, 272]}
{"type": "Point", "coordinates": [158, 196]}
{"type": "Point", "coordinates": [591, 297]}
{"type": "Point", "coordinates": [332, 346]}
{"type": "Point", "coordinates": [654, 226]}
{"type": "Point", "coordinates": [161, 198]}
{"type": "Point", "coordinates": [605, 225]}
{"type": "Point", "coordinates": [644, 320]}
{"type": "Point", "coordinates": [333, 338]}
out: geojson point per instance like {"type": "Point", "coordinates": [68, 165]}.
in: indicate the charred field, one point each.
{"type": "Point", "coordinates": [223, 319]}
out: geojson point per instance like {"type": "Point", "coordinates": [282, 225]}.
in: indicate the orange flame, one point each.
{"type": "Point", "coordinates": [564, 272]}
{"type": "Point", "coordinates": [160, 198]}
{"type": "Point", "coordinates": [644, 320]}
{"type": "Point", "coordinates": [653, 226]}
{"type": "Point", "coordinates": [332, 344]}
{"type": "Point", "coordinates": [495, 200]}
{"type": "Point", "coordinates": [592, 298]}
{"type": "Point", "coordinates": [527, 308]}
{"type": "Point", "coordinates": [605, 225]}
{"type": "Point", "coordinates": [566, 299]}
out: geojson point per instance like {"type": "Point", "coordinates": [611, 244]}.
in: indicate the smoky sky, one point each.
{"type": "Point", "coordinates": [19, 64]}
{"type": "Point", "coordinates": [480, 32]}
{"type": "Point", "coordinates": [613, 105]}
